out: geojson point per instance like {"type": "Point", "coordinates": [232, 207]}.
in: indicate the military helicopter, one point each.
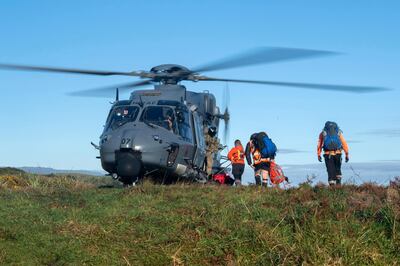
{"type": "Point", "coordinates": [161, 132]}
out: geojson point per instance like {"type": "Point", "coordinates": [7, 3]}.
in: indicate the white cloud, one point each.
{"type": "Point", "coordinates": [390, 132]}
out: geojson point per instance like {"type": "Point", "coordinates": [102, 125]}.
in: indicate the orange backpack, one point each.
{"type": "Point", "coordinates": [276, 174]}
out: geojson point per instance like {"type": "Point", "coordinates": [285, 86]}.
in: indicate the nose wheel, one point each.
{"type": "Point", "coordinates": [129, 181]}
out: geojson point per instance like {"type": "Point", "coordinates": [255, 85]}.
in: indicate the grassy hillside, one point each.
{"type": "Point", "coordinates": [11, 171]}
{"type": "Point", "coordinates": [70, 220]}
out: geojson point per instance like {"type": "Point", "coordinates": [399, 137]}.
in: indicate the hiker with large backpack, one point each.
{"type": "Point", "coordinates": [260, 151]}
{"type": "Point", "coordinates": [332, 142]}
{"type": "Point", "coordinates": [236, 156]}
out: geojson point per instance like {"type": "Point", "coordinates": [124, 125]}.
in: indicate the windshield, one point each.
{"type": "Point", "coordinates": [185, 131]}
{"type": "Point", "coordinates": [162, 116]}
{"type": "Point", "coordinates": [121, 115]}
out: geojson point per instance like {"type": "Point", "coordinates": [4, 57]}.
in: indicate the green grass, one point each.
{"type": "Point", "coordinates": [80, 220]}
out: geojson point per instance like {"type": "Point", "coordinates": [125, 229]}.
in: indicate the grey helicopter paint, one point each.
{"type": "Point", "coordinates": [143, 145]}
{"type": "Point", "coordinates": [161, 132]}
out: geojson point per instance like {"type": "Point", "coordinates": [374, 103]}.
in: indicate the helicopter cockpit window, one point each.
{"type": "Point", "coordinates": [184, 128]}
{"type": "Point", "coordinates": [121, 115]}
{"type": "Point", "coordinates": [162, 116]}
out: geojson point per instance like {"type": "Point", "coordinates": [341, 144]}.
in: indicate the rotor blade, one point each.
{"type": "Point", "coordinates": [66, 70]}
{"type": "Point", "coordinates": [226, 104]}
{"type": "Point", "coordinates": [226, 135]}
{"type": "Point", "coordinates": [226, 97]}
{"type": "Point", "coordinates": [314, 86]}
{"type": "Point", "coordinates": [226, 127]}
{"type": "Point", "coordinates": [263, 55]}
{"type": "Point", "coordinates": [109, 90]}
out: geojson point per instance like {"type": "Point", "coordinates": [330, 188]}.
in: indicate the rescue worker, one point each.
{"type": "Point", "coordinates": [212, 146]}
{"type": "Point", "coordinates": [332, 142]}
{"type": "Point", "coordinates": [236, 156]}
{"type": "Point", "coordinates": [260, 165]}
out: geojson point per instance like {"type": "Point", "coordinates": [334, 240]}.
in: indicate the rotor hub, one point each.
{"type": "Point", "coordinates": [170, 73]}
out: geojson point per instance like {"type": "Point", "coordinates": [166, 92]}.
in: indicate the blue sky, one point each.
{"type": "Point", "coordinates": [41, 126]}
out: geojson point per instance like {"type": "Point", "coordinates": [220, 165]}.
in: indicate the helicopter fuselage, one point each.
{"type": "Point", "coordinates": [158, 132]}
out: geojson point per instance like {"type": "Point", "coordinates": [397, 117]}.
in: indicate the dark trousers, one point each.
{"type": "Point", "coordinates": [333, 166]}
{"type": "Point", "coordinates": [261, 172]}
{"type": "Point", "coordinates": [237, 171]}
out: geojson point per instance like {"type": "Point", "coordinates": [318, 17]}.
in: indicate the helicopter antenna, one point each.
{"type": "Point", "coordinates": [116, 95]}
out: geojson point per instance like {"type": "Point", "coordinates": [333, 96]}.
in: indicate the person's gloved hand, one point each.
{"type": "Point", "coordinates": [319, 158]}
{"type": "Point", "coordinates": [347, 159]}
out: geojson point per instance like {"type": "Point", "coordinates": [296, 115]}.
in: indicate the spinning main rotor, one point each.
{"type": "Point", "coordinates": [173, 74]}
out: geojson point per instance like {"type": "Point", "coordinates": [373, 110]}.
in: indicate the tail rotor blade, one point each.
{"type": "Point", "coordinates": [226, 118]}
{"type": "Point", "coordinates": [226, 115]}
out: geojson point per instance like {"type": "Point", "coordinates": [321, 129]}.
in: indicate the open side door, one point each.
{"type": "Point", "coordinates": [200, 145]}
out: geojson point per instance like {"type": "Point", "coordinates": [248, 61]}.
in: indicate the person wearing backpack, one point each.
{"type": "Point", "coordinates": [236, 156]}
{"type": "Point", "coordinates": [248, 155]}
{"type": "Point", "coordinates": [332, 142]}
{"type": "Point", "coordinates": [260, 151]}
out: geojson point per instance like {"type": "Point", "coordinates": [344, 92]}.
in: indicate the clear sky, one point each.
{"type": "Point", "coordinates": [41, 126]}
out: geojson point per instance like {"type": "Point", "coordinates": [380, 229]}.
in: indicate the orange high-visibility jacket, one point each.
{"type": "Point", "coordinates": [236, 155]}
{"type": "Point", "coordinates": [320, 145]}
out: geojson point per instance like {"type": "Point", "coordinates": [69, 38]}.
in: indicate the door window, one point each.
{"type": "Point", "coordinates": [184, 128]}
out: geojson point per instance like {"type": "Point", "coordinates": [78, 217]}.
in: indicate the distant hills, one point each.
{"type": "Point", "coordinates": [380, 172]}
{"type": "Point", "coordinates": [10, 171]}
{"type": "Point", "coordinates": [48, 170]}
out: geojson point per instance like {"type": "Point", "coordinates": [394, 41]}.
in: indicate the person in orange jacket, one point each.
{"type": "Point", "coordinates": [236, 156]}
{"type": "Point", "coordinates": [331, 142]}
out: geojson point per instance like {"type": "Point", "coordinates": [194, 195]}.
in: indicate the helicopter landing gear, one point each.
{"type": "Point", "coordinates": [197, 175]}
{"type": "Point", "coordinates": [129, 181]}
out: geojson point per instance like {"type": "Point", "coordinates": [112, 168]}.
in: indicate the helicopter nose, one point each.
{"type": "Point", "coordinates": [128, 165]}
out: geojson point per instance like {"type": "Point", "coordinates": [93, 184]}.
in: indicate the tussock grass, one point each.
{"type": "Point", "coordinates": [11, 171]}
{"type": "Point", "coordinates": [78, 220]}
